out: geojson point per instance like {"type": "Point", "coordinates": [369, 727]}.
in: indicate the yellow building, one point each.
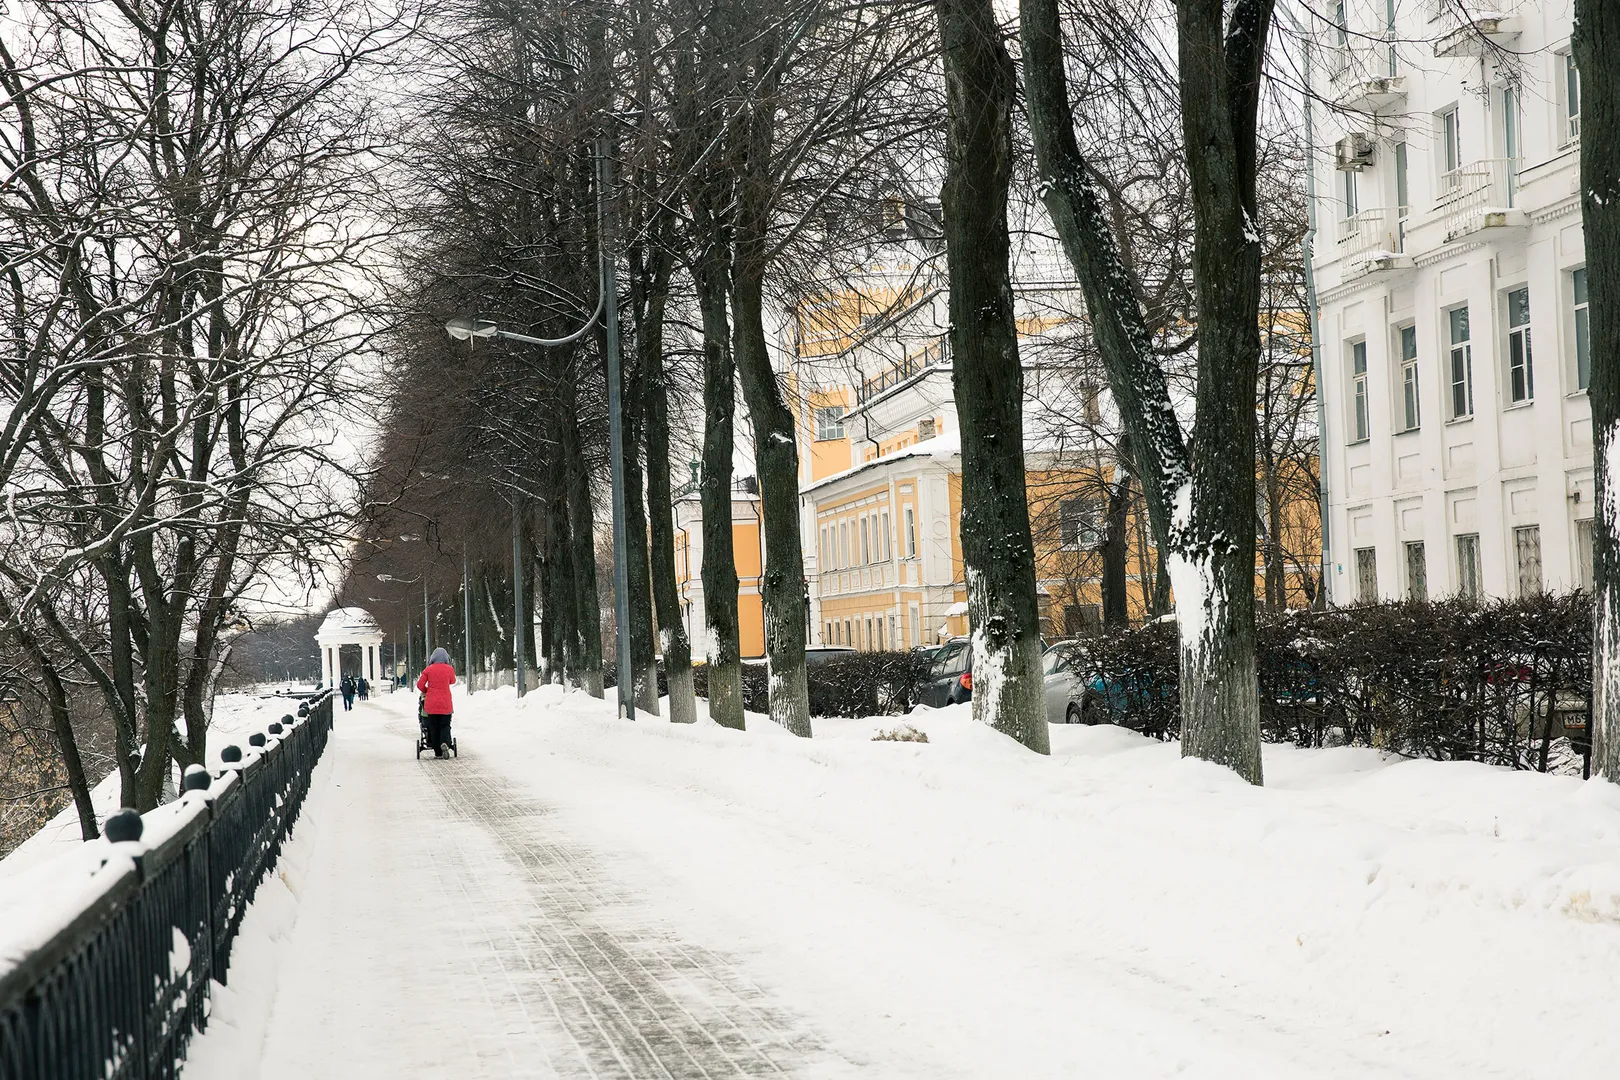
{"type": "Point", "coordinates": [881, 475]}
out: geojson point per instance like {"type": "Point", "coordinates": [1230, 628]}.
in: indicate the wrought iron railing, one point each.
{"type": "Point", "coordinates": [1470, 192]}
{"type": "Point", "coordinates": [118, 991]}
{"type": "Point", "coordinates": [1369, 232]}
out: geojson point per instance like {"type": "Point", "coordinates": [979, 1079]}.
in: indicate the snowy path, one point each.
{"type": "Point", "coordinates": [580, 897]}
{"type": "Point", "coordinates": [445, 930]}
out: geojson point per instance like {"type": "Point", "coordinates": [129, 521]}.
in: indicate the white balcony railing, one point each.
{"type": "Point", "coordinates": [1470, 195]}
{"type": "Point", "coordinates": [1369, 233]}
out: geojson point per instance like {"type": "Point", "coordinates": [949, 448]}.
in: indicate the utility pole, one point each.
{"type": "Point", "coordinates": [624, 682]}
{"type": "Point", "coordinates": [519, 648]}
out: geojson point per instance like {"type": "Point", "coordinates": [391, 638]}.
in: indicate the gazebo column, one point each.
{"type": "Point", "coordinates": [326, 666]}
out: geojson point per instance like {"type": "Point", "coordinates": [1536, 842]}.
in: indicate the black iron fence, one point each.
{"type": "Point", "coordinates": [117, 992]}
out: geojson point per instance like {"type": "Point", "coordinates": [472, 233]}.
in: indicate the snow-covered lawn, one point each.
{"type": "Point", "coordinates": [959, 908]}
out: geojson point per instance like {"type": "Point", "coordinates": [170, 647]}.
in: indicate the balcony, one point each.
{"type": "Point", "coordinates": [1373, 241]}
{"type": "Point", "coordinates": [935, 355]}
{"type": "Point", "coordinates": [1372, 95]}
{"type": "Point", "coordinates": [1480, 196]}
{"type": "Point", "coordinates": [1478, 36]}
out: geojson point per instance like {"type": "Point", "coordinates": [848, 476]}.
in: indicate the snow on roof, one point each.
{"type": "Point", "coordinates": [940, 446]}
{"type": "Point", "coordinates": [349, 618]}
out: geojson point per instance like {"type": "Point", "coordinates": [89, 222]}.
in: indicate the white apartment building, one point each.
{"type": "Point", "coordinates": [1451, 290]}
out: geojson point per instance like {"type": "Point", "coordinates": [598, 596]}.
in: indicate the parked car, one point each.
{"type": "Point", "coordinates": [820, 654]}
{"type": "Point", "coordinates": [1070, 696]}
{"type": "Point", "coordinates": [1076, 694]}
{"type": "Point", "coordinates": [950, 675]}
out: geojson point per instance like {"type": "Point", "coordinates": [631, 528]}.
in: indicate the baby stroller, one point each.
{"type": "Point", "coordinates": [422, 731]}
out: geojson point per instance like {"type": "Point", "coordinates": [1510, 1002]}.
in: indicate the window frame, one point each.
{"type": "Point", "coordinates": [1459, 351]}
{"type": "Point", "coordinates": [1450, 158]}
{"type": "Point", "coordinates": [1519, 356]}
{"type": "Point", "coordinates": [1360, 406]}
{"type": "Point", "coordinates": [1417, 577]}
{"type": "Point", "coordinates": [824, 425]}
{"type": "Point", "coordinates": [911, 531]}
{"type": "Point", "coordinates": [1468, 569]}
{"type": "Point", "coordinates": [1581, 327]}
{"type": "Point", "coordinates": [1410, 390]}
{"type": "Point", "coordinates": [1520, 534]}
{"type": "Point", "coordinates": [1569, 100]}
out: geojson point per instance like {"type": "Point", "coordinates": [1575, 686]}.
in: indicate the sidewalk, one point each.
{"type": "Point", "coordinates": [443, 929]}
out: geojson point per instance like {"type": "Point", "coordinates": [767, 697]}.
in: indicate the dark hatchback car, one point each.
{"type": "Point", "coordinates": [950, 675]}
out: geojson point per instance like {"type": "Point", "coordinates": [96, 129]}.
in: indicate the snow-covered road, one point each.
{"type": "Point", "coordinates": [580, 897]}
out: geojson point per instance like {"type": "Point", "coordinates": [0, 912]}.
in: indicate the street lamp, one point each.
{"type": "Point", "coordinates": [467, 328]}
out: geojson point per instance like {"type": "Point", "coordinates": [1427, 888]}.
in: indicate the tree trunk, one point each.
{"type": "Point", "coordinates": [1212, 558]}
{"type": "Point", "coordinates": [986, 377]}
{"type": "Point", "coordinates": [1595, 41]}
{"type": "Point", "coordinates": [776, 447]}
{"type": "Point", "coordinates": [719, 556]}
{"type": "Point", "coordinates": [1076, 209]}
{"type": "Point", "coordinates": [649, 286]}
{"type": "Point", "coordinates": [582, 535]}
{"type": "Point", "coordinates": [673, 644]}
{"type": "Point", "coordinates": [1116, 548]}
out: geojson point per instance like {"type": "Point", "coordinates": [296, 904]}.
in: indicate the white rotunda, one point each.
{"type": "Point", "coordinates": [349, 626]}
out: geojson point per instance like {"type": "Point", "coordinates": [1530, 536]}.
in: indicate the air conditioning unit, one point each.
{"type": "Point", "coordinates": [1354, 151]}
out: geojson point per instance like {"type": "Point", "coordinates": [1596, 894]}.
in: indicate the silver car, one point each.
{"type": "Point", "coordinates": [1069, 699]}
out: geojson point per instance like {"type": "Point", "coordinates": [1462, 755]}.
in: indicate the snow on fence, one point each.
{"type": "Point", "coordinates": [118, 979]}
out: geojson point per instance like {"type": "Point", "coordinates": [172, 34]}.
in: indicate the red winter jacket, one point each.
{"type": "Point", "coordinates": [436, 680]}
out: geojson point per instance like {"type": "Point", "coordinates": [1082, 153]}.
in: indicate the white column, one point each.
{"type": "Point", "coordinates": [326, 679]}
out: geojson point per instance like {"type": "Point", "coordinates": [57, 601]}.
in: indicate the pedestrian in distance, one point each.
{"type": "Point", "coordinates": [348, 692]}
{"type": "Point", "coordinates": [364, 688]}
{"type": "Point", "coordinates": [435, 683]}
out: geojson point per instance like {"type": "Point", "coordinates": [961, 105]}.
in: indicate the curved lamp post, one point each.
{"type": "Point", "coordinates": [471, 327]}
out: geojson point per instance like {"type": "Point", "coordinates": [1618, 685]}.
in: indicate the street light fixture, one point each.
{"type": "Point", "coordinates": [466, 328]}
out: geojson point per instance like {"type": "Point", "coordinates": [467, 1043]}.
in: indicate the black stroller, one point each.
{"type": "Point", "coordinates": [422, 730]}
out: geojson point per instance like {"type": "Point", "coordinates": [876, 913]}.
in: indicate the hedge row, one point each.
{"type": "Point", "coordinates": [849, 684]}
{"type": "Point", "coordinates": [1449, 680]}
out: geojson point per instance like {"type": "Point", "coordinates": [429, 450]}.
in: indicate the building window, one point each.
{"type": "Point", "coordinates": [1583, 330]}
{"type": "Point", "coordinates": [1341, 24]}
{"type": "Point", "coordinates": [1583, 554]}
{"type": "Point", "coordinates": [1451, 148]}
{"type": "Point", "coordinates": [1091, 401]}
{"type": "Point", "coordinates": [1462, 364]}
{"type": "Point", "coordinates": [1366, 576]}
{"type": "Point", "coordinates": [914, 613]}
{"type": "Point", "coordinates": [1410, 414]}
{"type": "Point", "coordinates": [911, 532]}
{"type": "Point", "coordinates": [1468, 566]}
{"type": "Point", "coordinates": [1521, 376]}
{"type": "Point", "coordinates": [1403, 191]}
{"type": "Point", "coordinates": [1349, 192]}
{"type": "Point", "coordinates": [870, 640]}
{"type": "Point", "coordinates": [828, 640]}
{"type": "Point", "coordinates": [866, 540]}
{"type": "Point", "coordinates": [1510, 141]}
{"type": "Point", "coordinates": [1572, 99]}
{"type": "Point", "coordinates": [888, 549]}
{"type": "Point", "coordinates": [1358, 388]}
{"type": "Point", "coordinates": [1417, 572]}
{"type": "Point", "coordinates": [849, 634]}
{"type": "Point", "coordinates": [826, 552]}
{"type": "Point", "coordinates": [925, 429]}
{"type": "Point", "coordinates": [830, 423]}
{"type": "Point", "coordinates": [1078, 525]}
{"type": "Point", "coordinates": [1527, 557]}
{"type": "Point", "coordinates": [843, 544]}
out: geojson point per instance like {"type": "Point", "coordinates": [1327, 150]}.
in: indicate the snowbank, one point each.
{"type": "Point", "coordinates": [1112, 910]}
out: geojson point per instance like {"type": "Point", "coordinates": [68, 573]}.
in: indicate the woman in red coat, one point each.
{"type": "Point", "coordinates": [435, 683]}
